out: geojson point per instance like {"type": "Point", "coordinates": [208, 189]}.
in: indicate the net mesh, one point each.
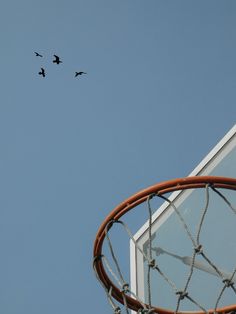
{"type": "Point", "coordinates": [227, 279]}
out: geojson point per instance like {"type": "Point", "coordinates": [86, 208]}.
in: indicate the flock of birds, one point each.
{"type": "Point", "coordinates": [57, 61]}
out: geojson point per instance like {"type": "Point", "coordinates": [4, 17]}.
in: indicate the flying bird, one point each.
{"type": "Point", "coordinates": [42, 72]}
{"type": "Point", "coordinates": [37, 54]}
{"type": "Point", "coordinates": [79, 73]}
{"type": "Point", "coordinates": [57, 60]}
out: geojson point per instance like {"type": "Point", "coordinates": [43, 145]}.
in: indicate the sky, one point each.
{"type": "Point", "coordinates": [159, 93]}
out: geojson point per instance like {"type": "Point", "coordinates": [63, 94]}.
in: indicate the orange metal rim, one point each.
{"type": "Point", "coordinates": [138, 198]}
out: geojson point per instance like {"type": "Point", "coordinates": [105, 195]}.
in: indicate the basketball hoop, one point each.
{"type": "Point", "coordinates": [124, 295]}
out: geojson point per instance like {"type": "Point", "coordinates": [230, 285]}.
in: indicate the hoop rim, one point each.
{"type": "Point", "coordinates": [133, 201]}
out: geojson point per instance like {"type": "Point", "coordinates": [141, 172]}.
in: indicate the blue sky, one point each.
{"type": "Point", "coordinates": [159, 94]}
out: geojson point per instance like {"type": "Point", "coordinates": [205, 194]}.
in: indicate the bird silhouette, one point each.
{"type": "Point", "coordinates": [42, 72]}
{"type": "Point", "coordinates": [37, 54]}
{"type": "Point", "coordinates": [79, 73]}
{"type": "Point", "coordinates": [57, 60]}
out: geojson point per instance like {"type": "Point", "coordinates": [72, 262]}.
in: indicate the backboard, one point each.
{"type": "Point", "coordinates": [172, 247]}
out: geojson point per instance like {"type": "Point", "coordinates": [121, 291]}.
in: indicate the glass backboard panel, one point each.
{"type": "Point", "coordinates": [173, 249]}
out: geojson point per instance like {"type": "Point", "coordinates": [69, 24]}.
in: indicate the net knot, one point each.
{"type": "Point", "coordinates": [198, 249]}
{"type": "Point", "coordinates": [97, 258]}
{"type": "Point", "coordinates": [151, 196]}
{"type": "Point", "coordinates": [152, 263]}
{"type": "Point", "coordinates": [117, 310]}
{"type": "Point", "coordinates": [111, 223]}
{"type": "Point", "coordinates": [125, 288]}
{"type": "Point", "coordinates": [228, 283]}
{"type": "Point", "coordinates": [182, 294]}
